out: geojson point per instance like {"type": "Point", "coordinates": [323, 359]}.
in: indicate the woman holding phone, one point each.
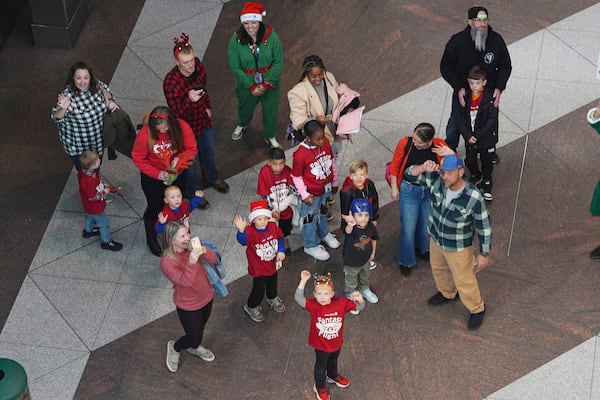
{"type": "Point", "coordinates": [193, 294]}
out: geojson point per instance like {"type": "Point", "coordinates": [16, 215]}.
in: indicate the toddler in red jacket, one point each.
{"type": "Point", "coordinates": [177, 208]}
{"type": "Point", "coordinates": [93, 196]}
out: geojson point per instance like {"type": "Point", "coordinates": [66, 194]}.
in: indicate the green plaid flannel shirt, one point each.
{"type": "Point", "coordinates": [453, 227]}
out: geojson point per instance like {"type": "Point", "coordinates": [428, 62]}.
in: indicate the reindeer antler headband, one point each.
{"type": "Point", "coordinates": [324, 280]}
{"type": "Point", "coordinates": [182, 43]}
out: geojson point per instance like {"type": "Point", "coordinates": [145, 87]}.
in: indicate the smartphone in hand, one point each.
{"type": "Point", "coordinates": [195, 243]}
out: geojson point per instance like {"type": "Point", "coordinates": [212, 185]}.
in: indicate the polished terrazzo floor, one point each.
{"type": "Point", "coordinates": [541, 291]}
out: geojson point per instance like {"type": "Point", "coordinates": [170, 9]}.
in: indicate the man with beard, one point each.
{"type": "Point", "coordinates": [457, 211]}
{"type": "Point", "coordinates": [477, 44]}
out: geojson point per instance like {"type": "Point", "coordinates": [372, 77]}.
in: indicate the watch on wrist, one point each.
{"type": "Point", "coordinates": [485, 254]}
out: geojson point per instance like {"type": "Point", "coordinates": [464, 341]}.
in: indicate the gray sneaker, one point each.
{"type": "Point", "coordinates": [276, 304]}
{"type": "Point", "coordinates": [255, 313]}
{"type": "Point", "coordinates": [172, 357]}
{"type": "Point", "coordinates": [202, 352]}
{"type": "Point", "coordinates": [238, 132]}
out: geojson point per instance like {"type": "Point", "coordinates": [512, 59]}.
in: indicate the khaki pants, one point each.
{"type": "Point", "coordinates": [453, 272]}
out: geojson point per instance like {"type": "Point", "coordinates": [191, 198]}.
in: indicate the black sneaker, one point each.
{"type": "Point", "coordinates": [475, 320]}
{"type": "Point", "coordinates": [438, 299]}
{"type": "Point", "coordinates": [154, 246]}
{"type": "Point", "coordinates": [595, 254]}
{"type": "Point", "coordinates": [112, 245]}
{"type": "Point", "coordinates": [404, 270]}
{"type": "Point", "coordinates": [204, 204]}
{"type": "Point", "coordinates": [475, 179]}
{"type": "Point", "coordinates": [486, 189]}
{"type": "Point", "coordinates": [221, 186]}
{"type": "Point", "coordinates": [95, 232]}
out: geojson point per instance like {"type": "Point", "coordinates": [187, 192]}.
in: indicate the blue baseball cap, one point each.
{"type": "Point", "coordinates": [451, 162]}
{"type": "Point", "coordinates": [361, 205]}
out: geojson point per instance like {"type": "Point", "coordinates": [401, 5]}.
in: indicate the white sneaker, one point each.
{"type": "Point", "coordinates": [369, 296]}
{"type": "Point", "coordinates": [238, 132]}
{"type": "Point", "coordinates": [272, 142]}
{"type": "Point", "coordinates": [317, 252]}
{"type": "Point", "coordinates": [172, 357]}
{"type": "Point", "coordinates": [331, 241]}
{"type": "Point", "coordinates": [202, 352]}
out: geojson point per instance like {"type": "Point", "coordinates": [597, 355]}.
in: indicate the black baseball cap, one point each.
{"type": "Point", "coordinates": [473, 11]}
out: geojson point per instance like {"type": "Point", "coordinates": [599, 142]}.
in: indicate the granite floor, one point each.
{"type": "Point", "coordinates": [86, 324]}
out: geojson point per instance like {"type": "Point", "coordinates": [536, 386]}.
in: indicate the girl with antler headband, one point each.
{"type": "Point", "coordinates": [327, 313]}
{"type": "Point", "coordinates": [163, 150]}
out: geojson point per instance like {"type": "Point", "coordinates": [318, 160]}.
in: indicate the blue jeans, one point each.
{"type": "Point", "coordinates": [452, 131]}
{"type": "Point", "coordinates": [414, 215]}
{"type": "Point", "coordinates": [206, 155]}
{"type": "Point", "coordinates": [101, 221]}
{"type": "Point", "coordinates": [216, 282]}
{"type": "Point", "coordinates": [314, 226]}
{"type": "Point", "coordinates": [206, 159]}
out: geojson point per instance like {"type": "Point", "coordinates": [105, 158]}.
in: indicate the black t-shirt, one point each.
{"type": "Point", "coordinates": [418, 157]}
{"type": "Point", "coordinates": [358, 245]}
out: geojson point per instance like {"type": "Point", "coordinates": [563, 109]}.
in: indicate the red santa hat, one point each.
{"type": "Point", "coordinates": [252, 11]}
{"type": "Point", "coordinates": [258, 208]}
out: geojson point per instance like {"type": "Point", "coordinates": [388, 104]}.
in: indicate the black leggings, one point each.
{"type": "Point", "coordinates": [193, 323]}
{"type": "Point", "coordinates": [259, 285]}
{"type": "Point", "coordinates": [286, 226]}
{"type": "Point", "coordinates": [325, 365]}
{"type": "Point", "coordinates": [154, 190]}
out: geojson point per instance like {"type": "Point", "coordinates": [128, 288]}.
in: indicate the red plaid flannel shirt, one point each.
{"type": "Point", "coordinates": [176, 88]}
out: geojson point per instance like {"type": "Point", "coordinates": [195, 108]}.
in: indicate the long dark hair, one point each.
{"type": "Point", "coordinates": [246, 39]}
{"type": "Point", "coordinates": [174, 127]}
{"type": "Point", "coordinates": [71, 78]}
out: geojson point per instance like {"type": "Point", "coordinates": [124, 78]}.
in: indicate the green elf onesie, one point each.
{"type": "Point", "coordinates": [252, 64]}
{"type": "Point", "coordinates": [595, 205]}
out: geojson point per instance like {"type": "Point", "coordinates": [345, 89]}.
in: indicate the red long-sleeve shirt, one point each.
{"type": "Point", "coordinates": [190, 281]}
{"type": "Point", "coordinates": [152, 160]}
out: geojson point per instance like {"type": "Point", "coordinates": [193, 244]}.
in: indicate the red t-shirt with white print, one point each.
{"type": "Point", "coordinates": [314, 165]}
{"type": "Point", "coordinates": [276, 187]}
{"type": "Point", "coordinates": [327, 323]}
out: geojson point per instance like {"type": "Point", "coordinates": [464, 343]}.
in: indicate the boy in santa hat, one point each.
{"type": "Point", "coordinates": [265, 250]}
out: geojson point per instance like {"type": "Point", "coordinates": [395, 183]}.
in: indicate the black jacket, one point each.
{"type": "Point", "coordinates": [460, 56]}
{"type": "Point", "coordinates": [486, 121]}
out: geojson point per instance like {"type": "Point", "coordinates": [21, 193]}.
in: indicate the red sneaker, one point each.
{"type": "Point", "coordinates": [340, 381]}
{"type": "Point", "coordinates": [322, 393]}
